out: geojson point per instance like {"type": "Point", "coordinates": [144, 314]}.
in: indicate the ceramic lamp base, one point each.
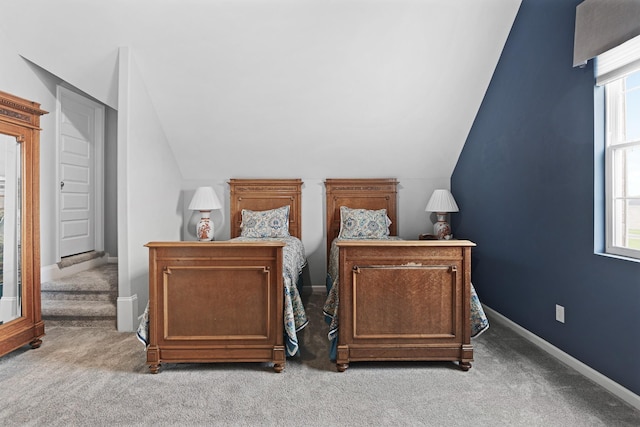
{"type": "Point", "coordinates": [204, 228]}
{"type": "Point", "coordinates": [442, 229]}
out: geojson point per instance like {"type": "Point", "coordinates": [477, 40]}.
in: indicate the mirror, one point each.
{"type": "Point", "coordinates": [10, 285]}
{"type": "Point", "coordinates": [20, 312]}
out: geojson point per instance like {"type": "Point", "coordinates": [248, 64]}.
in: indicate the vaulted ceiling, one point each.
{"type": "Point", "coordinates": [393, 84]}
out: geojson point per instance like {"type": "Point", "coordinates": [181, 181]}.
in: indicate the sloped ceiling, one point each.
{"type": "Point", "coordinates": [393, 85]}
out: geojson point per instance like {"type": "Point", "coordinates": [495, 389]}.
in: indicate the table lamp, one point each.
{"type": "Point", "coordinates": [204, 200]}
{"type": "Point", "coordinates": [441, 202]}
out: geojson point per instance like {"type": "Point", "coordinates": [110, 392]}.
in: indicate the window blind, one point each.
{"type": "Point", "coordinates": [618, 62]}
{"type": "Point", "coordinates": [602, 25]}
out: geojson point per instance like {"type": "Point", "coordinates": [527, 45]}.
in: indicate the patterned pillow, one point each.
{"type": "Point", "coordinates": [363, 223]}
{"type": "Point", "coordinates": [271, 223]}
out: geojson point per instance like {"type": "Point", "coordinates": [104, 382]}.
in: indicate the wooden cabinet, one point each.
{"type": "Point", "coordinates": [20, 313]}
{"type": "Point", "coordinates": [405, 300]}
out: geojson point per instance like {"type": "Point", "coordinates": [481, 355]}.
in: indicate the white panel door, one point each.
{"type": "Point", "coordinates": [78, 134]}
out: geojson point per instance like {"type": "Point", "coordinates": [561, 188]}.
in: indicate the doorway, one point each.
{"type": "Point", "coordinates": [80, 131]}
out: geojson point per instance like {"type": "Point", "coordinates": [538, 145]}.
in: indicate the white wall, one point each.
{"type": "Point", "coordinates": [243, 87]}
{"type": "Point", "coordinates": [20, 78]}
{"type": "Point", "coordinates": [149, 194]}
{"type": "Point", "coordinates": [111, 183]}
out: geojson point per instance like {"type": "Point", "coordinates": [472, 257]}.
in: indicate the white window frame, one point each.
{"type": "Point", "coordinates": [615, 175]}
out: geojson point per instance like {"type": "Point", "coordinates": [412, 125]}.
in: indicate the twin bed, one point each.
{"type": "Point", "coordinates": [393, 299]}
{"type": "Point", "coordinates": [239, 300]}
{"type": "Point", "coordinates": [231, 301]}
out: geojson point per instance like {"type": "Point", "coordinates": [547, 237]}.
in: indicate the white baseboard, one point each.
{"type": "Point", "coordinates": [127, 308]}
{"type": "Point", "coordinates": [595, 376]}
{"type": "Point", "coordinates": [53, 272]}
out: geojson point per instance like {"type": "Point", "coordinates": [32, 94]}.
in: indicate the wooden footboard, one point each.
{"type": "Point", "coordinates": [404, 300]}
{"type": "Point", "coordinates": [215, 302]}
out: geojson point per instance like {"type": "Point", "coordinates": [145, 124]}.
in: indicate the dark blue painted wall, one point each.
{"type": "Point", "coordinates": [525, 186]}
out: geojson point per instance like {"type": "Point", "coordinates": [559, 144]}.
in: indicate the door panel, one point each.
{"type": "Point", "coordinates": [77, 163]}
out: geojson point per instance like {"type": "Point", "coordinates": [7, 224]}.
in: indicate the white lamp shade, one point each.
{"type": "Point", "coordinates": [204, 199]}
{"type": "Point", "coordinates": [441, 201]}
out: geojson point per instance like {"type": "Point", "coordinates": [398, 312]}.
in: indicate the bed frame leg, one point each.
{"type": "Point", "coordinates": [279, 358]}
{"type": "Point", "coordinates": [465, 366]}
{"type": "Point", "coordinates": [342, 359]}
{"type": "Point", "coordinates": [153, 358]}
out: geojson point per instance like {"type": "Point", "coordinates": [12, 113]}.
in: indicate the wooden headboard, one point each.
{"type": "Point", "coordinates": [362, 193]}
{"type": "Point", "coordinates": [265, 194]}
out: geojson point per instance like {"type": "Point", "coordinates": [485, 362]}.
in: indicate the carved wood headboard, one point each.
{"type": "Point", "coordinates": [265, 194]}
{"type": "Point", "coordinates": [362, 193]}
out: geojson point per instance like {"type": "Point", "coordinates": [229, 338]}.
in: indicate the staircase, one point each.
{"type": "Point", "coordinates": [87, 298]}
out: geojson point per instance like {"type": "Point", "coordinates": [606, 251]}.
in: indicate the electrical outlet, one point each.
{"type": "Point", "coordinates": [560, 313]}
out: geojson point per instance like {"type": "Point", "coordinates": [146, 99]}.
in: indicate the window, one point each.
{"type": "Point", "coordinates": [622, 165]}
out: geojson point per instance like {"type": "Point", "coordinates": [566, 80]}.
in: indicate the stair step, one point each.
{"type": "Point", "coordinates": [72, 284]}
{"type": "Point", "coordinates": [81, 322]}
{"type": "Point", "coordinates": [77, 309]}
{"type": "Point", "coordinates": [80, 295]}
{"type": "Point", "coordinates": [101, 278]}
{"type": "Point", "coordinates": [85, 299]}
{"type": "Point", "coordinates": [73, 287]}
{"type": "Point", "coordinates": [79, 258]}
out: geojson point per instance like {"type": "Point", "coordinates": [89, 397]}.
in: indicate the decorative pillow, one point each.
{"type": "Point", "coordinates": [363, 223]}
{"type": "Point", "coordinates": [260, 224]}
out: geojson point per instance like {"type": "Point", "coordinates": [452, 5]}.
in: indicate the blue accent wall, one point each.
{"type": "Point", "coordinates": [524, 183]}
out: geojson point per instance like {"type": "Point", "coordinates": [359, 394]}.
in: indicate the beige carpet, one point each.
{"type": "Point", "coordinates": [98, 377]}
